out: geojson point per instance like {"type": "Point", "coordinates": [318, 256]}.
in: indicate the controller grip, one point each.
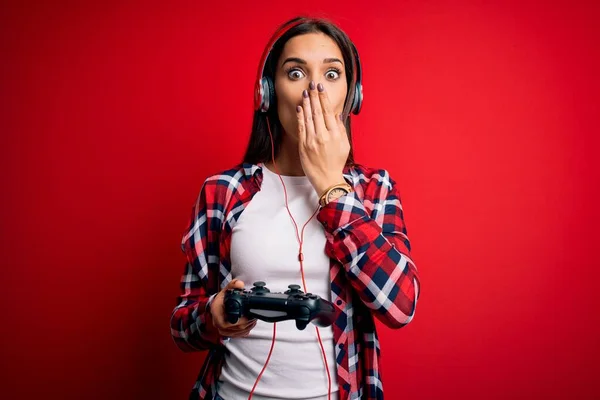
{"type": "Point", "coordinates": [233, 309]}
{"type": "Point", "coordinates": [325, 316]}
{"type": "Point", "coordinates": [302, 318]}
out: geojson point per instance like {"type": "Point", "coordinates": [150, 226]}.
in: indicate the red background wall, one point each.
{"type": "Point", "coordinates": [486, 113]}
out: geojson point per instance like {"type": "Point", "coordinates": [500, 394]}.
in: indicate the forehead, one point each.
{"type": "Point", "coordinates": [311, 47]}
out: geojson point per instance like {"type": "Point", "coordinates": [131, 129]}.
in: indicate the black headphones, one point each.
{"type": "Point", "coordinates": [264, 93]}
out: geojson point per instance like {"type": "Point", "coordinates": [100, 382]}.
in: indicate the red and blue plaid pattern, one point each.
{"type": "Point", "coordinates": [371, 272]}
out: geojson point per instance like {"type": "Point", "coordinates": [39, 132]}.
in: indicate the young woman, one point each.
{"type": "Point", "coordinates": [297, 210]}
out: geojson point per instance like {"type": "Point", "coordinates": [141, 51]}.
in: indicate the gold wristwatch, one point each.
{"type": "Point", "coordinates": [330, 194]}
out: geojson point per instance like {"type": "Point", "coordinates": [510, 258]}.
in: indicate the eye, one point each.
{"type": "Point", "coordinates": [333, 74]}
{"type": "Point", "coordinates": [295, 74]}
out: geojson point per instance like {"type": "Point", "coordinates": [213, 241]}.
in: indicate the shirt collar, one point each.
{"type": "Point", "coordinates": [255, 171]}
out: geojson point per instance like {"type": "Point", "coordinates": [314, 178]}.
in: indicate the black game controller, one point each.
{"type": "Point", "coordinates": [260, 303]}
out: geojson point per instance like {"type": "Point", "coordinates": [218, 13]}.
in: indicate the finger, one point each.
{"type": "Point", "coordinates": [244, 321]}
{"type": "Point", "coordinates": [308, 118]}
{"type": "Point", "coordinates": [301, 125]}
{"type": "Point", "coordinates": [240, 323]}
{"type": "Point", "coordinates": [237, 333]}
{"type": "Point", "coordinates": [235, 284]}
{"type": "Point", "coordinates": [317, 112]}
{"type": "Point", "coordinates": [227, 327]}
{"type": "Point", "coordinates": [234, 332]}
{"type": "Point", "coordinates": [251, 324]}
{"type": "Point", "coordinates": [328, 114]}
{"type": "Point", "coordinates": [340, 121]}
{"type": "Point", "coordinates": [247, 333]}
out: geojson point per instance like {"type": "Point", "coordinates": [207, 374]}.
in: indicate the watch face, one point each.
{"type": "Point", "coordinates": [338, 191]}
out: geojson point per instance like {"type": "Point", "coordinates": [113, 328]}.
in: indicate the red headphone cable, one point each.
{"type": "Point", "coordinates": [300, 239]}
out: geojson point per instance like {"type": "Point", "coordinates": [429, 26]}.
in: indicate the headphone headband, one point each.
{"type": "Point", "coordinates": [264, 92]}
{"type": "Point", "coordinates": [269, 47]}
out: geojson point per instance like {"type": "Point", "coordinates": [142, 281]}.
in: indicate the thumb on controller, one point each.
{"type": "Point", "coordinates": [235, 284]}
{"type": "Point", "coordinates": [217, 307]}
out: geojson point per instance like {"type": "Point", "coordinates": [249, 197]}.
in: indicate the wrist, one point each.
{"type": "Point", "coordinates": [322, 186]}
{"type": "Point", "coordinates": [334, 192]}
{"type": "Point", "coordinates": [209, 303]}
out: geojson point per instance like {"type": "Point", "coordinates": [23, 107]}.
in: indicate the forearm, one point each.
{"type": "Point", "coordinates": [376, 259]}
{"type": "Point", "coordinates": [192, 327]}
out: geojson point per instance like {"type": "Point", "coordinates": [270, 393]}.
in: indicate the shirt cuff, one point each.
{"type": "Point", "coordinates": [340, 212]}
{"type": "Point", "coordinates": [223, 339]}
{"type": "Point", "coordinates": [209, 302]}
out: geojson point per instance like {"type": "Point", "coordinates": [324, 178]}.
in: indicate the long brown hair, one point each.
{"type": "Point", "coordinates": [259, 144]}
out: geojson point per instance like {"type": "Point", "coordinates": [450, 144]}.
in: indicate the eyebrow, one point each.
{"type": "Point", "coordinates": [301, 61]}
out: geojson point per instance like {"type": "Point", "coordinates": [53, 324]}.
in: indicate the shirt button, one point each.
{"type": "Point", "coordinates": [339, 302]}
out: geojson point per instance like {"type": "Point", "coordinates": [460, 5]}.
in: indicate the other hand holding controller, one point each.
{"type": "Point", "coordinates": [242, 327]}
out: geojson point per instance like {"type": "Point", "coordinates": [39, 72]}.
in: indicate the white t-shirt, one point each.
{"type": "Point", "coordinates": [264, 247]}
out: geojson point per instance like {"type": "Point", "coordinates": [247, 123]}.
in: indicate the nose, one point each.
{"type": "Point", "coordinates": [314, 77]}
{"type": "Point", "coordinates": [311, 78]}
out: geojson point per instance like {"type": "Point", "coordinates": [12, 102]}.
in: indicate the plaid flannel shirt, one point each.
{"type": "Point", "coordinates": [372, 274]}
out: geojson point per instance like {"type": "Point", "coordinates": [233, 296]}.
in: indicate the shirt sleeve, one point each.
{"type": "Point", "coordinates": [191, 321]}
{"type": "Point", "coordinates": [375, 252]}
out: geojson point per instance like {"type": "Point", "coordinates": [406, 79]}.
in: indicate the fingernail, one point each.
{"type": "Point", "coordinates": [298, 108]}
{"type": "Point", "coordinates": [305, 93]}
{"type": "Point", "coordinates": [312, 85]}
{"type": "Point", "coordinates": [320, 87]}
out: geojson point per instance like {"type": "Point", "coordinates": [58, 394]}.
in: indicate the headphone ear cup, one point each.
{"type": "Point", "coordinates": [263, 94]}
{"type": "Point", "coordinates": [269, 91]}
{"type": "Point", "coordinates": [358, 99]}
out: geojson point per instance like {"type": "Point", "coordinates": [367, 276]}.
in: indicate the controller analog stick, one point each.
{"type": "Point", "coordinates": [293, 289]}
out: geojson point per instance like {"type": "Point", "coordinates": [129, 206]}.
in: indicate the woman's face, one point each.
{"type": "Point", "coordinates": [309, 57]}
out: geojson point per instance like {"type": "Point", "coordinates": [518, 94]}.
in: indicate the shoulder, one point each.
{"type": "Point", "coordinates": [233, 176]}
{"type": "Point", "coordinates": [214, 198]}
{"type": "Point", "coordinates": [221, 185]}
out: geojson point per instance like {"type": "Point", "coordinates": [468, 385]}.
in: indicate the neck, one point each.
{"type": "Point", "coordinates": [288, 159]}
